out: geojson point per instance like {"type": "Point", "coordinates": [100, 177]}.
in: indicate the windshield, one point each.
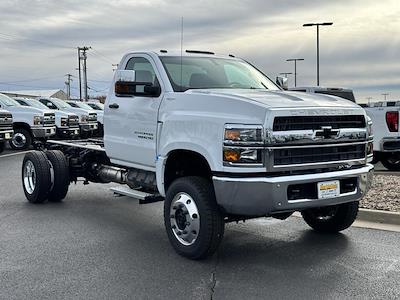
{"type": "Point", "coordinates": [35, 103]}
{"type": "Point", "coordinates": [60, 103]}
{"type": "Point", "coordinates": [7, 101]}
{"type": "Point", "coordinates": [83, 105]}
{"type": "Point", "coordinates": [210, 73]}
{"type": "Point", "coordinates": [96, 106]}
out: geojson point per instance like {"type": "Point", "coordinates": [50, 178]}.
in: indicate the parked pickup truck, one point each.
{"type": "Point", "coordinates": [30, 124]}
{"type": "Point", "coordinates": [67, 124]}
{"type": "Point", "coordinates": [6, 128]}
{"type": "Point", "coordinates": [217, 141]}
{"type": "Point", "coordinates": [385, 117]}
{"type": "Point", "coordinates": [90, 109]}
{"type": "Point", "coordinates": [87, 120]}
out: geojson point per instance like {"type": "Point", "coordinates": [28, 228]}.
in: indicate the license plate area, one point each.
{"type": "Point", "coordinates": [328, 189]}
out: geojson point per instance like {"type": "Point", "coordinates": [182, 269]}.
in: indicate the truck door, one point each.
{"type": "Point", "coordinates": [131, 122]}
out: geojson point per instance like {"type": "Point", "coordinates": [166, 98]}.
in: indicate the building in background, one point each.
{"type": "Point", "coordinates": [60, 94]}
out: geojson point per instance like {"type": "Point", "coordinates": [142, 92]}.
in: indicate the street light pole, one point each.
{"type": "Point", "coordinates": [295, 68]}
{"type": "Point", "coordinates": [385, 95]}
{"type": "Point", "coordinates": [318, 24]}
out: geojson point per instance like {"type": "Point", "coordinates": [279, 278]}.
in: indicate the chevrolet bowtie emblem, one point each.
{"type": "Point", "coordinates": [326, 132]}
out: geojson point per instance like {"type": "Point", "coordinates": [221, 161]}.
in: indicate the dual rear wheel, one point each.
{"type": "Point", "coordinates": [45, 176]}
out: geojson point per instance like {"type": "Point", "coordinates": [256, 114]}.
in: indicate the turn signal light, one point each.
{"type": "Point", "coordinates": [392, 121]}
{"type": "Point", "coordinates": [231, 155]}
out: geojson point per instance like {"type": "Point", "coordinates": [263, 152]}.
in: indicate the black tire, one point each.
{"type": "Point", "coordinates": [61, 175]}
{"type": "Point", "coordinates": [21, 140]}
{"type": "Point", "coordinates": [211, 221]}
{"type": "Point", "coordinates": [331, 219]}
{"type": "Point", "coordinates": [2, 146]}
{"type": "Point", "coordinates": [42, 179]}
{"type": "Point", "coordinates": [391, 161]}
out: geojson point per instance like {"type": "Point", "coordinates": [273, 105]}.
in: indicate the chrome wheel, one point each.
{"type": "Point", "coordinates": [19, 140]}
{"type": "Point", "coordinates": [185, 219]}
{"type": "Point", "coordinates": [29, 177]}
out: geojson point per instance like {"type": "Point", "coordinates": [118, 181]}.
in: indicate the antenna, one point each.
{"type": "Point", "coordinates": [181, 49]}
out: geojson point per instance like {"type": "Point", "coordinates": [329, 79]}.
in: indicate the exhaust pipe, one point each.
{"type": "Point", "coordinates": [107, 174]}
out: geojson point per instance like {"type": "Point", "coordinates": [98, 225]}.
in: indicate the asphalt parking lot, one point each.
{"type": "Point", "coordinates": [96, 246]}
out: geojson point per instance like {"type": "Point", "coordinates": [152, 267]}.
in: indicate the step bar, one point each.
{"type": "Point", "coordinates": [143, 197]}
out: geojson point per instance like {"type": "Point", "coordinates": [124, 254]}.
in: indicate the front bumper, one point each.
{"type": "Point", "coordinates": [6, 135]}
{"type": "Point", "coordinates": [88, 126]}
{"type": "Point", "coordinates": [43, 132]}
{"type": "Point", "coordinates": [66, 132]}
{"type": "Point", "coordinates": [263, 196]}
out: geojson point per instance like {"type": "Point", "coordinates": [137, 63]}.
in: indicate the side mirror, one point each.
{"type": "Point", "coordinates": [127, 85]}
{"type": "Point", "coordinates": [282, 82]}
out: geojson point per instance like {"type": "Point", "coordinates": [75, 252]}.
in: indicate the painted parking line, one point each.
{"type": "Point", "coordinates": [13, 154]}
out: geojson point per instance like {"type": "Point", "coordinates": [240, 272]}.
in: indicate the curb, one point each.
{"type": "Point", "coordinates": [379, 216]}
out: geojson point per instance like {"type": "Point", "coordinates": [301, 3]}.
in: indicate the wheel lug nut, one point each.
{"type": "Point", "coordinates": [194, 231]}
{"type": "Point", "coordinates": [179, 233]}
{"type": "Point", "coordinates": [188, 202]}
{"type": "Point", "coordinates": [194, 216]}
{"type": "Point", "coordinates": [173, 226]}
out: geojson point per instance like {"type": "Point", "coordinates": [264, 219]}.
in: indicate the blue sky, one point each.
{"type": "Point", "coordinates": [38, 39]}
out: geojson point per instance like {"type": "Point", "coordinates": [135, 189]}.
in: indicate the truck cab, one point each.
{"type": "Point", "coordinates": [67, 124]}
{"type": "Point", "coordinates": [29, 123]}
{"type": "Point", "coordinates": [87, 120]}
{"type": "Point", "coordinates": [6, 128]}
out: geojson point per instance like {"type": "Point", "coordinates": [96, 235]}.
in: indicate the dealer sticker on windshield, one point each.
{"type": "Point", "coordinates": [328, 189]}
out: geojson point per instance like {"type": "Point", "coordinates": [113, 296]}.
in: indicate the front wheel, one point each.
{"type": "Point", "coordinates": [331, 219]}
{"type": "Point", "coordinates": [391, 161]}
{"type": "Point", "coordinates": [21, 139]}
{"type": "Point", "coordinates": [193, 221]}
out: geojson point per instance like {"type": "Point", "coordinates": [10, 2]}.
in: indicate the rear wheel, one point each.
{"type": "Point", "coordinates": [21, 139]}
{"type": "Point", "coordinates": [36, 177]}
{"type": "Point", "coordinates": [391, 161]}
{"type": "Point", "coordinates": [193, 221]}
{"type": "Point", "coordinates": [331, 219]}
{"type": "Point", "coordinates": [60, 175]}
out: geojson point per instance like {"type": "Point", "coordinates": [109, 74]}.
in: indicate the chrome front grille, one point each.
{"type": "Point", "coordinates": [73, 121]}
{"type": "Point", "coordinates": [92, 117]}
{"type": "Point", "coordinates": [6, 121]}
{"type": "Point", "coordinates": [49, 119]}
{"type": "Point", "coordinates": [287, 123]}
{"type": "Point", "coordinates": [307, 142]}
{"type": "Point", "coordinates": [312, 155]}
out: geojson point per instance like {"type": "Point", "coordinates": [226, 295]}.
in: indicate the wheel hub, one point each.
{"type": "Point", "coordinates": [29, 177]}
{"type": "Point", "coordinates": [185, 219]}
{"type": "Point", "coordinates": [19, 140]}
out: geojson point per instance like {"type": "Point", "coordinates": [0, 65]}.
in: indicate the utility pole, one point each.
{"type": "Point", "coordinates": [83, 57]}
{"type": "Point", "coordinates": [68, 84]}
{"type": "Point", "coordinates": [295, 68]}
{"type": "Point", "coordinates": [385, 95]}
{"type": "Point", "coordinates": [369, 100]}
{"type": "Point", "coordinates": [317, 24]}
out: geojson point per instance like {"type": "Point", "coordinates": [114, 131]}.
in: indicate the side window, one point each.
{"type": "Point", "coordinates": [48, 103]}
{"type": "Point", "coordinates": [144, 71]}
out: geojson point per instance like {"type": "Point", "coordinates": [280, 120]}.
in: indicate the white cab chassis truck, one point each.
{"type": "Point", "coordinates": [6, 128]}
{"type": "Point", "coordinates": [217, 141]}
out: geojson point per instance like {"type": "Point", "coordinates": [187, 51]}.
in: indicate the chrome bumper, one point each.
{"type": "Point", "coordinates": [263, 196]}
{"type": "Point", "coordinates": [88, 126]}
{"type": "Point", "coordinates": [6, 135]}
{"type": "Point", "coordinates": [43, 132]}
{"type": "Point", "coordinates": [67, 132]}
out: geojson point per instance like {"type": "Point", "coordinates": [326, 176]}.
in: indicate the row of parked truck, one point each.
{"type": "Point", "coordinates": [24, 121]}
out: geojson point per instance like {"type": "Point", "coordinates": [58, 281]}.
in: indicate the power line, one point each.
{"type": "Point", "coordinates": [12, 37]}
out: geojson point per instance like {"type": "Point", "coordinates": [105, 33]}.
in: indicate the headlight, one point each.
{"type": "Point", "coordinates": [243, 145]}
{"type": "Point", "coordinates": [37, 120]}
{"type": "Point", "coordinates": [243, 134]}
{"type": "Point", "coordinates": [369, 127]}
{"type": "Point", "coordinates": [64, 122]}
{"type": "Point", "coordinates": [84, 119]}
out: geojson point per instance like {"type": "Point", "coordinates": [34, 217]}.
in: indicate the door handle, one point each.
{"type": "Point", "coordinates": [114, 105]}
